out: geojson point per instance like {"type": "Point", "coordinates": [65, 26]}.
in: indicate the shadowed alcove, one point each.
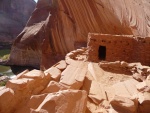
{"type": "Point", "coordinates": [102, 52]}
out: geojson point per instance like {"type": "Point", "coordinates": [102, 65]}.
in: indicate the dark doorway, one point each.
{"type": "Point", "coordinates": [102, 52]}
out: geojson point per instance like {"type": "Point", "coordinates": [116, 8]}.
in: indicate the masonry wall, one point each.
{"type": "Point", "coordinates": [119, 47]}
{"type": "Point", "coordinates": [142, 51]}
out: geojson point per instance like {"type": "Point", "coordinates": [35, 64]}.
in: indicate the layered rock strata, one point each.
{"type": "Point", "coordinates": [59, 26]}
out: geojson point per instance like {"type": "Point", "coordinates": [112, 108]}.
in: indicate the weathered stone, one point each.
{"type": "Point", "coordinates": [110, 91]}
{"type": "Point", "coordinates": [123, 104]}
{"type": "Point", "coordinates": [87, 81]}
{"type": "Point", "coordinates": [6, 100]}
{"type": "Point", "coordinates": [124, 64]}
{"type": "Point", "coordinates": [33, 74]}
{"type": "Point", "coordinates": [20, 75]}
{"type": "Point", "coordinates": [131, 86]}
{"type": "Point", "coordinates": [76, 75]}
{"type": "Point", "coordinates": [144, 98]}
{"type": "Point", "coordinates": [106, 104]}
{"type": "Point", "coordinates": [126, 88]}
{"type": "Point", "coordinates": [54, 72]}
{"type": "Point", "coordinates": [19, 84]}
{"type": "Point", "coordinates": [36, 90]}
{"type": "Point", "coordinates": [113, 65]}
{"type": "Point", "coordinates": [95, 70]}
{"type": "Point", "coordinates": [34, 82]}
{"type": "Point", "coordinates": [142, 86]}
{"type": "Point", "coordinates": [67, 101]}
{"type": "Point", "coordinates": [36, 100]}
{"type": "Point", "coordinates": [121, 90]}
{"type": "Point", "coordinates": [97, 92]}
{"type": "Point", "coordinates": [138, 77]}
{"type": "Point", "coordinates": [70, 61]}
{"type": "Point", "coordinates": [61, 65]}
{"type": "Point", "coordinates": [54, 87]}
{"type": "Point", "coordinates": [77, 63]}
{"type": "Point", "coordinates": [78, 55]}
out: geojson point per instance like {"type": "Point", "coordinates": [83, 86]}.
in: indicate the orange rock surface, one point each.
{"type": "Point", "coordinates": [57, 27]}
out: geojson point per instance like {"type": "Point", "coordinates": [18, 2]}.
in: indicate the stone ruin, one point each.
{"type": "Point", "coordinates": [118, 48]}
{"type": "Point", "coordinates": [75, 85]}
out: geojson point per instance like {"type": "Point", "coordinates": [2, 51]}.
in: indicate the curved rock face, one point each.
{"type": "Point", "coordinates": [59, 26]}
{"type": "Point", "coordinates": [13, 17]}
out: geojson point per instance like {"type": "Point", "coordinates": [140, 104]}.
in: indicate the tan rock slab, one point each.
{"type": "Point", "coordinates": [19, 84]}
{"type": "Point", "coordinates": [6, 100]}
{"type": "Point", "coordinates": [144, 98]}
{"type": "Point", "coordinates": [126, 88]}
{"type": "Point", "coordinates": [70, 55]}
{"type": "Point", "coordinates": [123, 104]}
{"type": "Point", "coordinates": [76, 63]}
{"type": "Point", "coordinates": [87, 81]}
{"type": "Point", "coordinates": [95, 70]}
{"type": "Point", "coordinates": [24, 88]}
{"type": "Point", "coordinates": [70, 61]}
{"type": "Point", "coordinates": [20, 75]}
{"type": "Point", "coordinates": [142, 86]}
{"type": "Point", "coordinates": [54, 72]}
{"type": "Point", "coordinates": [121, 90]}
{"type": "Point", "coordinates": [106, 104]}
{"type": "Point", "coordinates": [32, 86]}
{"type": "Point", "coordinates": [110, 91]}
{"type": "Point", "coordinates": [33, 74]}
{"type": "Point", "coordinates": [74, 75]}
{"type": "Point", "coordinates": [61, 65]}
{"type": "Point", "coordinates": [66, 101]}
{"type": "Point", "coordinates": [131, 86]}
{"type": "Point", "coordinates": [138, 77]}
{"type": "Point", "coordinates": [54, 87]}
{"type": "Point", "coordinates": [33, 103]}
{"type": "Point", "coordinates": [36, 100]}
{"type": "Point", "coordinates": [97, 92]}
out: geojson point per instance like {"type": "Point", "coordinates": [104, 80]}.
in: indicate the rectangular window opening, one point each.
{"type": "Point", "coordinates": [102, 52]}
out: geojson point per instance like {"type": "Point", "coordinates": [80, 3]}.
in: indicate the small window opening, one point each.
{"type": "Point", "coordinates": [102, 52]}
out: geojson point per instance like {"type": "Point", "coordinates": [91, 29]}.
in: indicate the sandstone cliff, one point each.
{"type": "Point", "coordinates": [13, 17]}
{"type": "Point", "coordinates": [59, 26]}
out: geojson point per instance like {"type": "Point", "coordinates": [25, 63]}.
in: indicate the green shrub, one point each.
{"type": "Point", "coordinates": [2, 83]}
{"type": "Point", "coordinates": [5, 57]}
